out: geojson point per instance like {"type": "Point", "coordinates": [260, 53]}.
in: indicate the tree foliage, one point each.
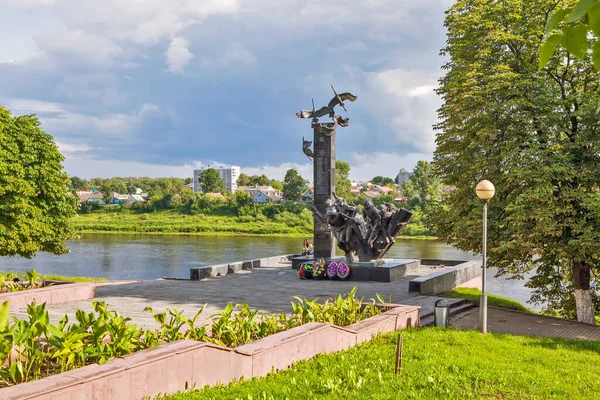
{"type": "Point", "coordinates": [294, 185]}
{"type": "Point", "coordinates": [570, 28]}
{"type": "Point", "coordinates": [111, 186]}
{"type": "Point", "coordinates": [211, 181]}
{"type": "Point", "coordinates": [424, 183]}
{"type": "Point", "coordinates": [342, 179]}
{"type": "Point", "coordinates": [534, 134]}
{"type": "Point", "coordinates": [35, 203]}
{"type": "Point", "coordinates": [382, 180]}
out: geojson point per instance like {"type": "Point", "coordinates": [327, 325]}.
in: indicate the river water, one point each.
{"type": "Point", "coordinates": [131, 256]}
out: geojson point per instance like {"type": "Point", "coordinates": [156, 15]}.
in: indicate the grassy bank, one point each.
{"type": "Point", "coordinates": [437, 364]}
{"type": "Point", "coordinates": [172, 222]}
{"type": "Point", "coordinates": [473, 295]}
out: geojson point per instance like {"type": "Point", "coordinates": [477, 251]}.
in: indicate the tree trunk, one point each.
{"type": "Point", "coordinates": [583, 299]}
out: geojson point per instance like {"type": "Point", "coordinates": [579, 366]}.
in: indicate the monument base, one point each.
{"type": "Point", "coordinates": [384, 270]}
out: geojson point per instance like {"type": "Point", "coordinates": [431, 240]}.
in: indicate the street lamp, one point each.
{"type": "Point", "coordinates": [485, 190]}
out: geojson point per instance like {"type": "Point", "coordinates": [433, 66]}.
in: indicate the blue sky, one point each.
{"type": "Point", "coordinates": [155, 87]}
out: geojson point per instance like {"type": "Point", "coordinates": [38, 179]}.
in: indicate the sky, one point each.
{"type": "Point", "coordinates": [156, 88]}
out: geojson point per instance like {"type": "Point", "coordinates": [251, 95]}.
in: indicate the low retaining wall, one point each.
{"type": "Point", "coordinates": [59, 292]}
{"type": "Point", "coordinates": [213, 271]}
{"type": "Point", "coordinates": [186, 364]}
{"type": "Point", "coordinates": [446, 278]}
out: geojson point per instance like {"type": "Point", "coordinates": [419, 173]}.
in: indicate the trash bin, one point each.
{"type": "Point", "coordinates": [440, 315]}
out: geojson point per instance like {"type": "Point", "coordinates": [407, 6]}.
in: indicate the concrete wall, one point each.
{"type": "Point", "coordinates": [186, 364]}
{"type": "Point", "coordinates": [61, 292]}
{"type": "Point", "coordinates": [213, 271]}
{"type": "Point", "coordinates": [445, 279]}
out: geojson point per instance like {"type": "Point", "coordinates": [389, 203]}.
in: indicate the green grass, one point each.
{"type": "Point", "coordinates": [219, 223]}
{"type": "Point", "coordinates": [8, 275]}
{"type": "Point", "coordinates": [437, 364]}
{"type": "Point", "coordinates": [73, 278]}
{"type": "Point", "coordinates": [174, 222]}
{"type": "Point", "coordinates": [473, 294]}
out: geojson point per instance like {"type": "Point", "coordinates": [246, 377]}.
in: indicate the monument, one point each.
{"type": "Point", "coordinates": [363, 238]}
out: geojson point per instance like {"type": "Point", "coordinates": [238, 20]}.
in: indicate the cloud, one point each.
{"type": "Point", "coordinates": [278, 171]}
{"type": "Point", "coordinates": [178, 55]}
{"type": "Point", "coordinates": [165, 83]}
{"type": "Point", "coordinates": [87, 168]}
{"type": "Point", "coordinates": [72, 148]}
{"type": "Point", "coordinates": [88, 48]}
{"type": "Point", "coordinates": [405, 100]}
{"type": "Point", "coordinates": [365, 166]}
{"type": "Point", "coordinates": [234, 56]}
{"type": "Point", "coordinates": [32, 106]}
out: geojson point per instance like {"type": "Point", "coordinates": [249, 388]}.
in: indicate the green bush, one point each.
{"type": "Point", "coordinates": [102, 335]}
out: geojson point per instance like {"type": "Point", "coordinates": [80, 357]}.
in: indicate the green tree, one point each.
{"type": "Point", "coordinates": [243, 180]}
{"type": "Point", "coordinates": [35, 203]}
{"type": "Point", "coordinates": [110, 186]}
{"type": "Point", "coordinates": [78, 184]}
{"type": "Point", "coordinates": [243, 199]}
{"type": "Point", "coordinates": [382, 181]}
{"type": "Point", "coordinates": [534, 134]}
{"type": "Point", "coordinates": [294, 185]}
{"type": "Point", "coordinates": [569, 27]}
{"type": "Point", "coordinates": [276, 184]}
{"type": "Point", "coordinates": [211, 181]}
{"type": "Point", "coordinates": [424, 183]}
{"type": "Point", "coordinates": [342, 179]}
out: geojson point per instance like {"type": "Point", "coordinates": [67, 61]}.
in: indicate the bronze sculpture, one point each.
{"type": "Point", "coordinates": [363, 238]}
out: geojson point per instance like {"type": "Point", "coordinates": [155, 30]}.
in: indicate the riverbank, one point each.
{"type": "Point", "coordinates": [173, 223]}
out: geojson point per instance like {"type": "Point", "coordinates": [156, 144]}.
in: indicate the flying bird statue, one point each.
{"type": "Point", "coordinates": [338, 99]}
{"type": "Point", "coordinates": [306, 148]}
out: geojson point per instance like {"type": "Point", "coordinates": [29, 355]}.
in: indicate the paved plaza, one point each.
{"type": "Point", "coordinates": [268, 288]}
{"type": "Point", "coordinates": [519, 323]}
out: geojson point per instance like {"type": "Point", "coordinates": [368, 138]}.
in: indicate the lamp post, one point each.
{"type": "Point", "coordinates": [485, 191]}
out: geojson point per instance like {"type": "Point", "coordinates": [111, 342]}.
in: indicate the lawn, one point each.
{"type": "Point", "coordinates": [437, 364]}
{"type": "Point", "coordinates": [473, 294]}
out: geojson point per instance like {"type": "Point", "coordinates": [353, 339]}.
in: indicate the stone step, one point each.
{"type": "Point", "coordinates": [456, 309]}
{"type": "Point", "coordinates": [428, 309]}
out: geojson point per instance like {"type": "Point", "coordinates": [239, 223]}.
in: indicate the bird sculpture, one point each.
{"type": "Point", "coordinates": [306, 148]}
{"type": "Point", "coordinates": [338, 99]}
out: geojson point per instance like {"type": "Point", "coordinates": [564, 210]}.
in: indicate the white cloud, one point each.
{"type": "Point", "coordinates": [278, 171]}
{"type": "Point", "coordinates": [365, 166]}
{"type": "Point", "coordinates": [406, 100]}
{"type": "Point", "coordinates": [115, 124]}
{"type": "Point", "coordinates": [31, 106]}
{"type": "Point", "coordinates": [89, 48]}
{"type": "Point", "coordinates": [233, 56]}
{"type": "Point", "coordinates": [142, 22]}
{"type": "Point", "coordinates": [72, 148]}
{"type": "Point", "coordinates": [178, 55]}
{"type": "Point", "coordinates": [90, 168]}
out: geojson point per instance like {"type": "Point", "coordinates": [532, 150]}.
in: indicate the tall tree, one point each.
{"type": "Point", "coordinates": [535, 135]}
{"type": "Point", "coordinates": [294, 185]}
{"type": "Point", "coordinates": [243, 180]}
{"type": "Point", "coordinates": [211, 181]}
{"type": "Point", "coordinates": [110, 186]}
{"type": "Point", "coordinates": [342, 179]}
{"type": "Point", "coordinates": [78, 184]}
{"type": "Point", "coordinates": [35, 203]}
{"type": "Point", "coordinates": [424, 183]}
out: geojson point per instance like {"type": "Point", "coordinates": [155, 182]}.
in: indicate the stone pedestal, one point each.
{"type": "Point", "coordinates": [324, 184]}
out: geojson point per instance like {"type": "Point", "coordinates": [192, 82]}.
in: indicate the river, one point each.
{"type": "Point", "coordinates": [130, 256]}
